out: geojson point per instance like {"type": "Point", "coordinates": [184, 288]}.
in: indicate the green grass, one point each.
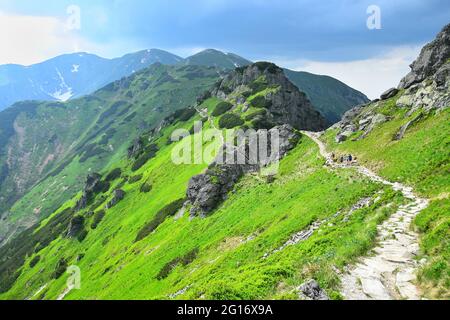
{"type": "Point", "coordinates": [422, 160]}
{"type": "Point", "coordinates": [224, 265]}
{"type": "Point", "coordinates": [90, 133]}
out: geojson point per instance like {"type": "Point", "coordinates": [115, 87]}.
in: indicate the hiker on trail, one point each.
{"type": "Point", "coordinates": [350, 158]}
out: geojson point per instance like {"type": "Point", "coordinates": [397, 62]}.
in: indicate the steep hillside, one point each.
{"type": "Point", "coordinates": [405, 137]}
{"type": "Point", "coordinates": [359, 210]}
{"type": "Point", "coordinates": [48, 147]}
{"type": "Point", "coordinates": [263, 241]}
{"type": "Point", "coordinates": [263, 97]}
{"type": "Point", "coordinates": [328, 95]}
{"type": "Point", "coordinates": [135, 232]}
{"type": "Point", "coordinates": [72, 75]}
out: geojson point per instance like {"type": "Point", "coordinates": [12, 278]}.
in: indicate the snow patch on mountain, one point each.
{"type": "Point", "coordinates": [65, 92]}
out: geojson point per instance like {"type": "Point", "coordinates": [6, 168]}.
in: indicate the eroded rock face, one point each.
{"type": "Point", "coordinates": [311, 290]}
{"type": "Point", "coordinates": [206, 191]}
{"type": "Point", "coordinates": [288, 105]}
{"type": "Point", "coordinates": [431, 58]}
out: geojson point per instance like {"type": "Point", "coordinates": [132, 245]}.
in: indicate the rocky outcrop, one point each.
{"type": "Point", "coordinates": [136, 148]}
{"type": "Point", "coordinates": [425, 88]}
{"type": "Point", "coordinates": [93, 185]}
{"type": "Point", "coordinates": [76, 226]}
{"type": "Point", "coordinates": [311, 290]}
{"type": "Point", "coordinates": [287, 105]}
{"type": "Point", "coordinates": [392, 92]}
{"type": "Point", "coordinates": [401, 132]}
{"type": "Point", "coordinates": [432, 57]}
{"type": "Point", "coordinates": [206, 191]}
{"type": "Point", "coordinates": [430, 94]}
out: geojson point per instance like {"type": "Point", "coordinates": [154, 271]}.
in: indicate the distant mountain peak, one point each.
{"type": "Point", "coordinates": [214, 57]}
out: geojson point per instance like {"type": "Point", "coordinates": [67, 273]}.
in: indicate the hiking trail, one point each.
{"type": "Point", "coordinates": [390, 272]}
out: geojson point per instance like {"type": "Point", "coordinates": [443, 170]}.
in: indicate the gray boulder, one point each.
{"type": "Point", "coordinates": [392, 92]}
{"type": "Point", "coordinates": [311, 290]}
{"type": "Point", "coordinates": [206, 191]}
{"type": "Point", "coordinates": [341, 138]}
{"type": "Point", "coordinates": [401, 132]}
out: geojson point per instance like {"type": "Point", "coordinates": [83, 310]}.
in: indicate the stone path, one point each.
{"type": "Point", "coordinates": [390, 272]}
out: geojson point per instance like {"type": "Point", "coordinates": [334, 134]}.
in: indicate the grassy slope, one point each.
{"type": "Point", "coordinates": [420, 159]}
{"type": "Point", "coordinates": [328, 95]}
{"type": "Point", "coordinates": [114, 267]}
{"type": "Point", "coordinates": [148, 96]}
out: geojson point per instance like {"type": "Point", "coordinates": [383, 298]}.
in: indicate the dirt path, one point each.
{"type": "Point", "coordinates": [390, 272]}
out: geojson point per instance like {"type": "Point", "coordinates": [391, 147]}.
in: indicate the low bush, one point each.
{"type": "Point", "coordinates": [113, 175]}
{"type": "Point", "coordinates": [230, 121]}
{"type": "Point", "coordinates": [82, 235]}
{"type": "Point", "coordinates": [35, 261]}
{"type": "Point", "coordinates": [98, 217]}
{"type": "Point", "coordinates": [135, 178]}
{"type": "Point", "coordinates": [183, 260]}
{"type": "Point", "coordinates": [169, 210]}
{"type": "Point", "coordinates": [255, 114]}
{"type": "Point", "coordinates": [262, 123]}
{"type": "Point", "coordinates": [184, 114]}
{"type": "Point", "coordinates": [261, 102]}
{"type": "Point", "coordinates": [221, 108]}
{"type": "Point", "coordinates": [150, 152]}
{"type": "Point", "coordinates": [258, 85]}
{"type": "Point", "coordinates": [146, 188]}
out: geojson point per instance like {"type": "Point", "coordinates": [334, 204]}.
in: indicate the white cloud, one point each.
{"type": "Point", "coordinates": [31, 39]}
{"type": "Point", "coordinates": [371, 76]}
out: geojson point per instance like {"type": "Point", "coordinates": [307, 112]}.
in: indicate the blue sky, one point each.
{"type": "Point", "coordinates": [319, 36]}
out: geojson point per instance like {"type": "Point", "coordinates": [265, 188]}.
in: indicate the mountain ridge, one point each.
{"type": "Point", "coordinates": [63, 77]}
